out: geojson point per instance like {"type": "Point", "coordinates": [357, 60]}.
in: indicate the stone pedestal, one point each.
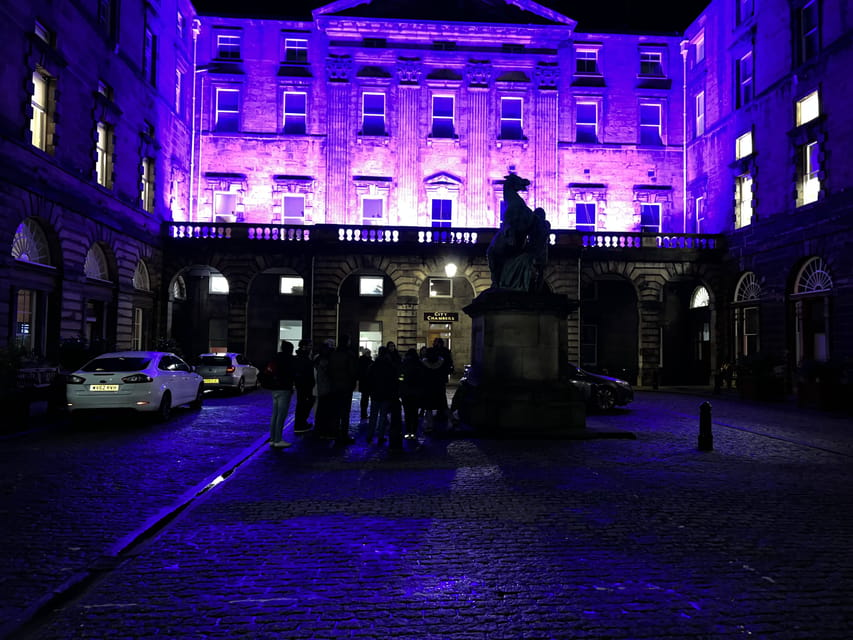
{"type": "Point", "coordinates": [518, 382]}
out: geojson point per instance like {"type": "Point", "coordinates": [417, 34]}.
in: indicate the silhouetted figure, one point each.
{"type": "Point", "coordinates": [364, 362]}
{"type": "Point", "coordinates": [277, 376]}
{"type": "Point", "coordinates": [304, 382]}
{"type": "Point", "coordinates": [343, 373]}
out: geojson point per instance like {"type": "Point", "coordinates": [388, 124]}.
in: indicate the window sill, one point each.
{"type": "Point", "coordinates": [512, 142]}
{"type": "Point", "coordinates": [433, 140]}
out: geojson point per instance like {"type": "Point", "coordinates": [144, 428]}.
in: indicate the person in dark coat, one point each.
{"type": "Point", "coordinates": [278, 377]}
{"type": "Point", "coordinates": [343, 375]}
{"type": "Point", "coordinates": [364, 362]}
{"type": "Point", "coordinates": [443, 352]}
{"type": "Point", "coordinates": [411, 391]}
{"type": "Point", "coordinates": [435, 395]}
{"type": "Point", "coordinates": [325, 425]}
{"type": "Point", "coordinates": [304, 382]}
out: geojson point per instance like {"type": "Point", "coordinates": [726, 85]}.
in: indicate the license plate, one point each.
{"type": "Point", "coordinates": [211, 381]}
{"type": "Point", "coordinates": [103, 387]}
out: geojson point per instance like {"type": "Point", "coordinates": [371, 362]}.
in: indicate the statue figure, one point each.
{"type": "Point", "coordinates": [519, 250]}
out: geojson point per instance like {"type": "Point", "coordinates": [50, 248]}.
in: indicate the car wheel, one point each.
{"type": "Point", "coordinates": [605, 399]}
{"type": "Point", "coordinates": [199, 398]}
{"type": "Point", "coordinates": [165, 408]}
{"type": "Point", "coordinates": [241, 386]}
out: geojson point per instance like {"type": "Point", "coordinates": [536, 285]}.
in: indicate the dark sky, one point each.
{"type": "Point", "coordinates": [614, 16]}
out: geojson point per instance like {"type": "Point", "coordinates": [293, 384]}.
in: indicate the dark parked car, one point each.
{"type": "Point", "coordinates": [599, 391]}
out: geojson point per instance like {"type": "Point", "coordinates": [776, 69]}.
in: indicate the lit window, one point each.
{"type": "Point", "coordinates": [146, 195]}
{"type": "Point", "coordinates": [700, 298]}
{"type": "Point", "coordinates": [442, 117]}
{"type": "Point", "coordinates": [809, 178]}
{"type": "Point", "coordinates": [440, 288]}
{"type": "Point", "coordinates": [745, 9]}
{"type": "Point", "coordinates": [700, 213]}
{"type": "Point", "coordinates": [179, 91]}
{"type": "Point", "coordinates": [104, 161]}
{"type": "Point", "coordinates": [95, 265]}
{"type": "Point", "coordinates": [699, 48]}
{"type": "Point", "coordinates": [700, 113]}
{"type": "Point", "coordinates": [744, 80]}
{"type": "Point", "coordinates": [294, 209]}
{"type": "Point", "coordinates": [373, 114]}
{"type": "Point", "coordinates": [371, 286]}
{"type": "Point", "coordinates": [228, 47]}
{"type": "Point", "coordinates": [743, 145]}
{"type": "Point", "coordinates": [743, 201]}
{"type": "Point", "coordinates": [218, 284]}
{"type": "Point", "coordinates": [586, 62]}
{"type": "Point", "coordinates": [225, 206]}
{"type": "Point", "coordinates": [141, 279]}
{"type": "Point", "coordinates": [291, 286]}
{"type": "Point", "coordinates": [650, 124]}
{"type": "Point", "coordinates": [511, 119]}
{"type": "Point", "coordinates": [586, 125]}
{"type": "Point", "coordinates": [372, 210]}
{"type": "Point", "coordinates": [295, 112]}
{"type": "Point", "coordinates": [651, 63]}
{"type": "Point", "coordinates": [808, 108]}
{"type": "Point", "coordinates": [227, 109]}
{"type": "Point", "coordinates": [442, 213]}
{"type": "Point", "coordinates": [30, 243]}
{"type": "Point", "coordinates": [25, 319]}
{"type": "Point", "coordinates": [295, 50]}
{"type": "Point", "coordinates": [136, 330]}
{"type": "Point", "coordinates": [809, 32]}
{"type": "Point", "coordinates": [39, 101]}
{"type": "Point", "coordinates": [585, 216]}
{"type": "Point", "coordinates": [650, 218]}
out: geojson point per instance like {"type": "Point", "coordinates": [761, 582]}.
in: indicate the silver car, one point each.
{"type": "Point", "coordinates": [230, 371]}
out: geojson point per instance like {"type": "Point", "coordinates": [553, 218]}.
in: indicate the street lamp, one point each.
{"type": "Point", "coordinates": [450, 269]}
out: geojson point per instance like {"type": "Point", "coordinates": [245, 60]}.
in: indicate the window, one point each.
{"type": "Point", "coordinates": [511, 119]}
{"type": "Point", "coordinates": [136, 331]}
{"type": "Point", "coordinates": [373, 114]}
{"type": "Point", "coordinates": [227, 110]}
{"type": "Point", "coordinates": [104, 161]}
{"type": "Point", "coordinates": [586, 62]}
{"type": "Point", "coordinates": [146, 195]}
{"type": "Point", "coordinates": [291, 286]}
{"type": "Point", "coordinates": [141, 279]}
{"type": "Point", "coordinates": [293, 207]}
{"type": "Point", "coordinates": [809, 31]}
{"type": "Point", "coordinates": [585, 216]}
{"type": "Point", "coordinates": [95, 266]}
{"type": "Point", "coordinates": [30, 243]}
{"type": "Point", "coordinates": [179, 91]}
{"type": "Point", "coordinates": [700, 213]}
{"type": "Point", "coordinates": [290, 330]}
{"type": "Point", "coordinates": [744, 80]}
{"type": "Point", "coordinates": [149, 57]}
{"type": "Point", "coordinates": [108, 17]}
{"type": "Point", "coordinates": [809, 179]}
{"type": "Point", "coordinates": [747, 291]}
{"type": "Point", "coordinates": [180, 24]}
{"type": "Point", "coordinates": [371, 286]}
{"type": "Point", "coordinates": [440, 287]}
{"type": "Point", "coordinates": [700, 298]}
{"type": "Point", "coordinates": [41, 110]}
{"type": "Point", "coordinates": [651, 63]}
{"type": "Point", "coordinates": [217, 284]}
{"type": "Point", "coordinates": [698, 48]}
{"type": "Point", "coordinates": [442, 117]}
{"type": "Point", "coordinates": [442, 212]}
{"type": "Point", "coordinates": [743, 200]}
{"type": "Point", "coordinates": [227, 47]}
{"type": "Point", "coordinates": [700, 113]}
{"type": "Point", "coordinates": [743, 145]}
{"type": "Point", "coordinates": [586, 122]}
{"type": "Point", "coordinates": [808, 108]}
{"type": "Point", "coordinates": [745, 9]}
{"type": "Point", "coordinates": [295, 50]}
{"type": "Point", "coordinates": [224, 206]}
{"type": "Point", "coordinates": [650, 218]}
{"type": "Point", "coordinates": [43, 33]}
{"type": "Point", "coordinates": [25, 319]}
{"type": "Point", "coordinates": [295, 112]}
{"type": "Point", "coordinates": [372, 210]}
{"type": "Point", "coordinates": [650, 124]}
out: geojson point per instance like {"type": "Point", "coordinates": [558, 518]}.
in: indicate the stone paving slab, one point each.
{"type": "Point", "coordinates": [645, 538]}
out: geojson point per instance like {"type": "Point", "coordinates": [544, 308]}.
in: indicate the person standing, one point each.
{"type": "Point", "coordinates": [304, 383]}
{"type": "Point", "coordinates": [364, 362]}
{"type": "Point", "coordinates": [325, 414]}
{"type": "Point", "coordinates": [443, 352]}
{"type": "Point", "coordinates": [411, 391]}
{"type": "Point", "coordinates": [343, 374]}
{"type": "Point", "coordinates": [278, 377]}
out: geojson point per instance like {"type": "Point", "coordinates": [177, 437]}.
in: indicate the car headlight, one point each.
{"type": "Point", "coordinates": [137, 377]}
{"type": "Point", "coordinates": [72, 379]}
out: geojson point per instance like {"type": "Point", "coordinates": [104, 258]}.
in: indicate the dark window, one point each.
{"type": "Point", "coordinates": [585, 216]}
{"type": "Point", "coordinates": [511, 119]}
{"type": "Point", "coordinates": [442, 212]}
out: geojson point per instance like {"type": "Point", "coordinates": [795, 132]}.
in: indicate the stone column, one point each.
{"type": "Point", "coordinates": [409, 137]}
{"type": "Point", "coordinates": [546, 136]}
{"type": "Point", "coordinates": [407, 322]}
{"type": "Point", "coordinates": [477, 186]}
{"type": "Point", "coordinates": [237, 320]}
{"type": "Point", "coordinates": [338, 132]}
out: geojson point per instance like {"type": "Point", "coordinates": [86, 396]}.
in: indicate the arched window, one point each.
{"type": "Point", "coordinates": [141, 281]}
{"type": "Point", "coordinates": [30, 243]}
{"type": "Point", "coordinates": [700, 298]}
{"type": "Point", "coordinates": [813, 278]}
{"type": "Point", "coordinates": [96, 264]}
{"type": "Point", "coordinates": [747, 288]}
{"type": "Point", "coordinates": [178, 290]}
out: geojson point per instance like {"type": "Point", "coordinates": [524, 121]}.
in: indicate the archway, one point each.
{"type": "Point", "coordinates": [609, 321]}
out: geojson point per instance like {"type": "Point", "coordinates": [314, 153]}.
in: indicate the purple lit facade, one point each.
{"type": "Point", "coordinates": [240, 180]}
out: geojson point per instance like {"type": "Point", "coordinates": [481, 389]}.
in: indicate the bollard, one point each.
{"type": "Point", "coordinates": [706, 438]}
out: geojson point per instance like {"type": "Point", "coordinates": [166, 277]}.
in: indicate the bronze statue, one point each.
{"type": "Point", "coordinates": [519, 251]}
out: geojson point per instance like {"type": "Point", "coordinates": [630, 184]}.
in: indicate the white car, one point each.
{"type": "Point", "coordinates": [231, 371]}
{"type": "Point", "coordinates": [145, 381]}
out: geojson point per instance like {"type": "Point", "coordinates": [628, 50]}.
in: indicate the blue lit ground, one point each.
{"type": "Point", "coordinates": [483, 539]}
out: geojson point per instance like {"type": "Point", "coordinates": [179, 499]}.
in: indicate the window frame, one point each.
{"type": "Point", "coordinates": [372, 220]}
{"type": "Point", "coordinates": [229, 46]}
{"type": "Point", "coordinates": [434, 293]}
{"type": "Point", "coordinates": [290, 219]}
{"type": "Point", "coordinates": [745, 79]}
{"type": "Point", "coordinates": [299, 124]}
{"type": "Point", "coordinates": [585, 126]}
{"type": "Point", "coordinates": [658, 126]}
{"type": "Point", "coordinates": [39, 129]}
{"type": "Point", "coordinates": [295, 54]}
{"type": "Point", "coordinates": [438, 128]}
{"type": "Point", "coordinates": [583, 56]}
{"type": "Point", "coordinates": [651, 64]}
{"type": "Point", "coordinates": [809, 182]}
{"type": "Point", "coordinates": [373, 123]}
{"type": "Point", "coordinates": [509, 123]}
{"type": "Point", "coordinates": [147, 193]}
{"type": "Point", "coordinates": [804, 107]}
{"type": "Point", "coordinates": [290, 285]}
{"type": "Point", "coordinates": [647, 228]}
{"type": "Point", "coordinates": [371, 286]}
{"type": "Point", "coordinates": [220, 123]}
{"type": "Point", "coordinates": [699, 112]}
{"type": "Point", "coordinates": [807, 34]}
{"type": "Point", "coordinates": [104, 142]}
{"type": "Point", "coordinates": [744, 145]}
{"type": "Point", "coordinates": [743, 200]}
{"type": "Point", "coordinates": [586, 226]}
{"type": "Point", "coordinates": [444, 220]}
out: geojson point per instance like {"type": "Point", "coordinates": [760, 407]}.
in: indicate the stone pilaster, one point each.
{"type": "Point", "coordinates": [545, 141]}
{"type": "Point", "coordinates": [408, 150]}
{"type": "Point", "coordinates": [338, 143]}
{"type": "Point", "coordinates": [478, 187]}
{"type": "Point", "coordinates": [407, 322]}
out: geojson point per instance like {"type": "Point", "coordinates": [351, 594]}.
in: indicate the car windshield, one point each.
{"type": "Point", "coordinates": [131, 363]}
{"type": "Point", "coordinates": [216, 361]}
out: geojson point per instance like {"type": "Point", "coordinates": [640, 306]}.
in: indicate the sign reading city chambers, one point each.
{"type": "Point", "coordinates": [441, 316]}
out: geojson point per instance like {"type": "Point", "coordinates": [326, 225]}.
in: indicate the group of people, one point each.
{"type": "Point", "coordinates": [396, 391]}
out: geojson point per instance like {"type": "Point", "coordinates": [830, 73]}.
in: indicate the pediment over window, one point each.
{"type": "Point", "coordinates": [443, 179]}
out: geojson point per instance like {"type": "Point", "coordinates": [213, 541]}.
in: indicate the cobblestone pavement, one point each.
{"type": "Point", "coordinates": [493, 539]}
